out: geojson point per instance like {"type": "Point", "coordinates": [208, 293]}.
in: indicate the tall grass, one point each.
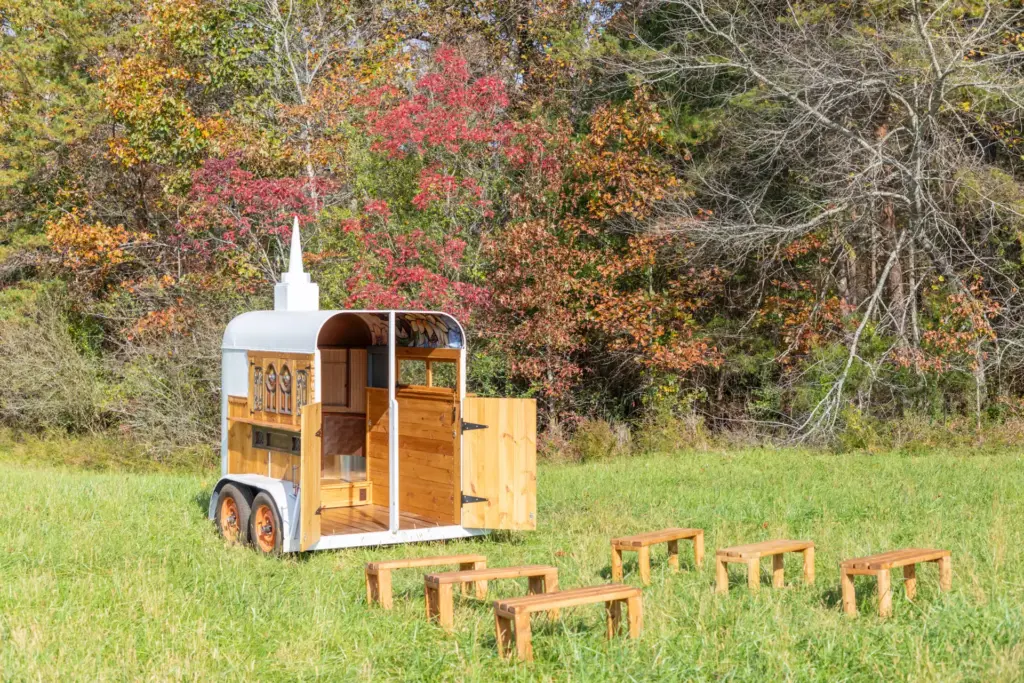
{"type": "Point", "coordinates": [107, 575]}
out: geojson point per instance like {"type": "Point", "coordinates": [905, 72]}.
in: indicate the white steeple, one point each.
{"type": "Point", "coordinates": [296, 291]}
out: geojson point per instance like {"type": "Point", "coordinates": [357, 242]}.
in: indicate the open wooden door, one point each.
{"type": "Point", "coordinates": [499, 463]}
{"type": "Point", "coordinates": [309, 477]}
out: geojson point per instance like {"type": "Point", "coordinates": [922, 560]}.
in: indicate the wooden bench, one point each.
{"type": "Point", "coordinates": [641, 544]}
{"type": "Point", "coordinates": [512, 617]}
{"type": "Point", "coordinates": [880, 565]}
{"type": "Point", "coordinates": [378, 574]}
{"type": "Point", "coordinates": [437, 588]}
{"type": "Point", "coordinates": [751, 555]}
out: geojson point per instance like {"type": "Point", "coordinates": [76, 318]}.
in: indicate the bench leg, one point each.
{"type": "Point", "coordinates": [698, 549]}
{"type": "Point", "coordinates": [778, 573]}
{"type": "Point", "coordinates": [673, 555]}
{"type": "Point", "coordinates": [481, 586]}
{"type": "Point", "coordinates": [372, 588]}
{"type": "Point", "coordinates": [446, 605]}
{"type": "Point", "coordinates": [524, 638]}
{"type": "Point", "coordinates": [635, 611]}
{"type": "Point", "coordinates": [551, 586]}
{"type": "Point", "coordinates": [613, 611]}
{"type": "Point", "coordinates": [535, 585]}
{"type": "Point", "coordinates": [809, 566]}
{"type": "Point", "coordinates": [616, 565]}
{"type": "Point", "coordinates": [644, 561]}
{"type": "Point", "coordinates": [465, 587]}
{"type": "Point", "coordinates": [754, 574]}
{"type": "Point", "coordinates": [503, 634]}
{"type": "Point", "coordinates": [849, 592]}
{"type": "Point", "coordinates": [910, 581]}
{"type": "Point", "coordinates": [945, 573]}
{"type": "Point", "coordinates": [884, 594]}
{"type": "Point", "coordinates": [721, 576]}
{"type": "Point", "coordinates": [384, 588]}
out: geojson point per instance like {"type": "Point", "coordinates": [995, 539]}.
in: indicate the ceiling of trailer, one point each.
{"type": "Point", "coordinates": [297, 331]}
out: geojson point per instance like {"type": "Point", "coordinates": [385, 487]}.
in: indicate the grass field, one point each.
{"type": "Point", "coordinates": [120, 576]}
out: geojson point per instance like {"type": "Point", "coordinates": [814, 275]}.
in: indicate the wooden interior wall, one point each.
{"type": "Point", "coordinates": [334, 375]}
{"type": "Point", "coordinates": [241, 457]}
{"type": "Point", "coordinates": [427, 452]}
{"type": "Point", "coordinates": [357, 380]}
{"type": "Point", "coordinates": [377, 445]}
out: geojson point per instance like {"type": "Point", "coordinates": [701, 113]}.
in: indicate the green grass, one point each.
{"type": "Point", "coordinates": [119, 576]}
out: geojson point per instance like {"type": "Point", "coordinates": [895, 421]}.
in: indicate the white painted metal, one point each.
{"type": "Point", "coordinates": [435, 533]}
{"type": "Point", "coordinates": [393, 512]}
{"type": "Point", "coordinates": [296, 291]}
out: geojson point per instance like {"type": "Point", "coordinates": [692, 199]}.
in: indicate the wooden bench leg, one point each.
{"type": "Point", "coordinates": [884, 594]}
{"type": "Point", "coordinates": [698, 549]}
{"type": "Point", "coordinates": [504, 634]}
{"type": "Point", "coordinates": [644, 561]}
{"type": "Point", "coordinates": [384, 588]}
{"type": "Point", "coordinates": [673, 555]}
{"type": "Point", "coordinates": [465, 587]}
{"type": "Point", "coordinates": [849, 592]}
{"type": "Point", "coordinates": [754, 574]}
{"type": "Point", "coordinates": [809, 566]}
{"type": "Point", "coordinates": [721, 576]}
{"type": "Point", "coordinates": [524, 638]}
{"type": "Point", "coordinates": [910, 581]}
{"type": "Point", "coordinates": [945, 573]}
{"type": "Point", "coordinates": [635, 611]}
{"type": "Point", "coordinates": [372, 588]}
{"type": "Point", "coordinates": [616, 565]}
{"type": "Point", "coordinates": [481, 586]}
{"type": "Point", "coordinates": [535, 585]}
{"type": "Point", "coordinates": [551, 586]}
{"type": "Point", "coordinates": [613, 611]}
{"type": "Point", "coordinates": [446, 605]}
{"type": "Point", "coordinates": [778, 572]}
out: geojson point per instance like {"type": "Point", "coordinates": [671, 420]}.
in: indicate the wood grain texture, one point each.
{"type": "Point", "coordinates": [499, 463]}
{"type": "Point", "coordinates": [309, 477]}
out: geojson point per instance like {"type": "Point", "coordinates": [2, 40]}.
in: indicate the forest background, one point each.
{"type": "Point", "coordinates": [670, 221]}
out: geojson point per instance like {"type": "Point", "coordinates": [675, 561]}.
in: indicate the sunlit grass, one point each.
{"type": "Point", "coordinates": [120, 576]}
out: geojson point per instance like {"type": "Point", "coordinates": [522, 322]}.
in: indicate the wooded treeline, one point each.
{"type": "Point", "coordinates": [802, 218]}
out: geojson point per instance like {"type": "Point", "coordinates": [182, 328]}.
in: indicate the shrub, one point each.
{"type": "Point", "coordinates": [599, 440]}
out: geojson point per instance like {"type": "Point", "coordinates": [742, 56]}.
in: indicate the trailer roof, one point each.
{"type": "Point", "coordinates": [298, 331]}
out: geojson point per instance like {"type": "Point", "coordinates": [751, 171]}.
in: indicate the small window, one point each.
{"type": "Point", "coordinates": [286, 390]}
{"type": "Point", "coordinates": [443, 374]}
{"type": "Point", "coordinates": [271, 389]}
{"type": "Point", "coordinates": [412, 372]}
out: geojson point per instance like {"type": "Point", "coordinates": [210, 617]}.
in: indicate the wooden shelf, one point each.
{"type": "Point", "coordinates": [267, 425]}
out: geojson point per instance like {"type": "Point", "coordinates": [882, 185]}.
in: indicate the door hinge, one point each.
{"type": "Point", "coordinates": [319, 433]}
{"type": "Point", "coordinates": [468, 426]}
{"type": "Point", "coordinates": [319, 510]}
{"type": "Point", "coordinates": [472, 499]}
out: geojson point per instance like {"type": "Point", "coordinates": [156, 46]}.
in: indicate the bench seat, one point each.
{"type": "Point", "coordinates": [641, 543]}
{"type": "Point", "coordinates": [512, 617]}
{"type": "Point", "coordinates": [440, 601]}
{"type": "Point", "coordinates": [880, 566]}
{"type": "Point", "coordinates": [378, 574]}
{"type": "Point", "coordinates": [750, 554]}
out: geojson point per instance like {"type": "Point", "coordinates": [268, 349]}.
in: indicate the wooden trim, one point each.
{"type": "Point", "coordinates": [413, 353]}
{"type": "Point", "coordinates": [283, 426]}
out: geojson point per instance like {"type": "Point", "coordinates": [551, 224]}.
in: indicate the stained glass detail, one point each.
{"type": "Point", "coordinates": [257, 388]}
{"type": "Point", "coordinates": [271, 389]}
{"type": "Point", "coordinates": [301, 390]}
{"type": "Point", "coordinates": [286, 390]}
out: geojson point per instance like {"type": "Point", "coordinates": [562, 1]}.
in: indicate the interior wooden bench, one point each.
{"type": "Point", "coordinates": [880, 566]}
{"type": "Point", "coordinates": [641, 544]}
{"type": "Point", "coordinates": [512, 617]}
{"type": "Point", "coordinates": [440, 602]}
{"type": "Point", "coordinates": [751, 555]}
{"type": "Point", "coordinates": [378, 574]}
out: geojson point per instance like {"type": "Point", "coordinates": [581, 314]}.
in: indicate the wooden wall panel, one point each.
{"type": "Point", "coordinates": [377, 445]}
{"type": "Point", "coordinates": [357, 380]}
{"type": "Point", "coordinates": [334, 375]}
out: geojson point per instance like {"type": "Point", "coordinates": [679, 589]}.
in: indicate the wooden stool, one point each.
{"type": "Point", "coordinates": [751, 555]}
{"type": "Point", "coordinates": [641, 543]}
{"type": "Point", "coordinates": [512, 617]}
{"type": "Point", "coordinates": [378, 574]}
{"type": "Point", "coordinates": [880, 566]}
{"type": "Point", "coordinates": [437, 588]}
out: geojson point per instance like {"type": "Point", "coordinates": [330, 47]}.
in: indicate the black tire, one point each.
{"type": "Point", "coordinates": [234, 501]}
{"type": "Point", "coordinates": [265, 532]}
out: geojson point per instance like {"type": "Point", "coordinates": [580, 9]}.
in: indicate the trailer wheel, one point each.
{"type": "Point", "coordinates": [233, 510]}
{"type": "Point", "coordinates": [265, 525]}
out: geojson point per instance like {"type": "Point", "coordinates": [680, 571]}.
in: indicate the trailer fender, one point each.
{"type": "Point", "coordinates": [284, 494]}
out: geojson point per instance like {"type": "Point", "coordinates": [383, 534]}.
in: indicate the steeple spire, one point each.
{"type": "Point", "coordinates": [296, 291]}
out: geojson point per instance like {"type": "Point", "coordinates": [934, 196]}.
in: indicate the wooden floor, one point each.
{"type": "Point", "coordinates": [363, 518]}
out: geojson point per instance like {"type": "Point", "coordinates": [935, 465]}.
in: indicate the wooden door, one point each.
{"type": "Point", "coordinates": [499, 463]}
{"type": "Point", "coordinates": [309, 477]}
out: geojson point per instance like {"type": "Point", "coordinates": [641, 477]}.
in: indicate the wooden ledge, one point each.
{"type": "Point", "coordinates": [577, 596]}
{"type": "Point", "coordinates": [407, 562]}
{"type": "Point", "coordinates": [754, 550]}
{"type": "Point", "coordinates": [894, 558]}
{"type": "Point", "coordinates": [655, 537]}
{"type": "Point", "coordinates": [490, 574]}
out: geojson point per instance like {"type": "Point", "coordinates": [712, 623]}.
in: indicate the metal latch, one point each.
{"type": "Point", "coordinates": [472, 499]}
{"type": "Point", "coordinates": [469, 426]}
